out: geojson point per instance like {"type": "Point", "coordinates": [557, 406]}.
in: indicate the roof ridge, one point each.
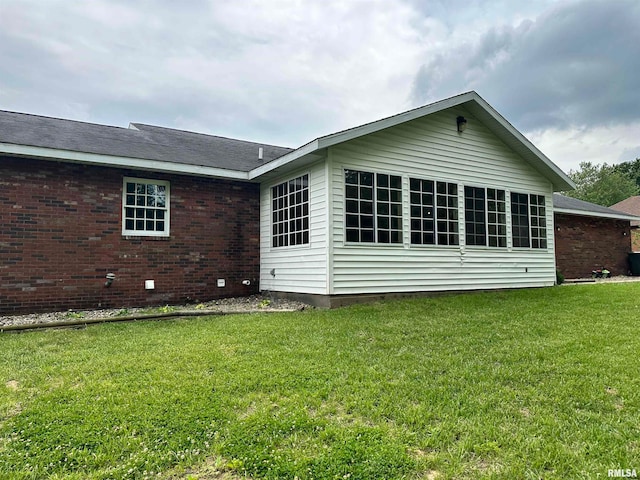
{"type": "Point", "coordinates": [405, 112]}
{"type": "Point", "coordinates": [60, 119]}
{"type": "Point", "coordinates": [208, 135]}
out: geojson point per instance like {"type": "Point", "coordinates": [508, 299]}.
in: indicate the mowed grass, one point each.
{"type": "Point", "coordinates": [541, 383]}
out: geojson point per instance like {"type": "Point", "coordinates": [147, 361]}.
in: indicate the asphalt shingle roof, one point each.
{"type": "Point", "coordinates": [141, 141]}
{"type": "Point", "coordinates": [631, 206]}
{"type": "Point", "coordinates": [569, 203]}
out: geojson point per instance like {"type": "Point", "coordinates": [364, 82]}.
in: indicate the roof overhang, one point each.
{"type": "Point", "coordinates": [585, 213]}
{"type": "Point", "coordinates": [475, 104]}
{"type": "Point", "coordinates": [122, 162]}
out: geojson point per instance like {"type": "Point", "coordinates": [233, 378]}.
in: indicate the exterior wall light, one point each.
{"type": "Point", "coordinates": [462, 124]}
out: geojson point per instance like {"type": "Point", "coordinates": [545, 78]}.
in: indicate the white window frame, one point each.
{"type": "Point", "coordinates": [539, 240]}
{"type": "Point", "coordinates": [167, 213]}
{"type": "Point", "coordinates": [292, 228]}
{"type": "Point", "coordinates": [383, 217]}
{"type": "Point", "coordinates": [450, 235]}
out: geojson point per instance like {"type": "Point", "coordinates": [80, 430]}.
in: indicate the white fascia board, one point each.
{"type": "Point", "coordinates": [122, 162]}
{"type": "Point", "coordinates": [283, 160]}
{"type": "Point", "coordinates": [586, 213]}
{"type": "Point", "coordinates": [525, 142]}
{"type": "Point", "coordinates": [394, 120]}
{"type": "Point", "coordinates": [350, 134]}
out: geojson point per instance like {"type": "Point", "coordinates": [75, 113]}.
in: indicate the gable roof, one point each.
{"type": "Point", "coordinates": [631, 206]}
{"type": "Point", "coordinates": [139, 146]}
{"type": "Point", "coordinates": [471, 101]}
{"type": "Point", "coordinates": [573, 206]}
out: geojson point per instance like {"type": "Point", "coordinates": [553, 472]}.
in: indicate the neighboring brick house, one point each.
{"type": "Point", "coordinates": [631, 206]}
{"type": "Point", "coordinates": [445, 197]}
{"type": "Point", "coordinates": [589, 237]}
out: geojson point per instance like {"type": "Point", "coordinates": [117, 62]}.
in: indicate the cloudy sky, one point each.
{"type": "Point", "coordinates": [565, 72]}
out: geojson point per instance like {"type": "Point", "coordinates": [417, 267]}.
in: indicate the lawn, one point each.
{"type": "Point", "coordinates": [540, 383]}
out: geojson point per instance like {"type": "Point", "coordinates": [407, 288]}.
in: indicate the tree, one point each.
{"type": "Point", "coordinates": [630, 170]}
{"type": "Point", "coordinates": [601, 184]}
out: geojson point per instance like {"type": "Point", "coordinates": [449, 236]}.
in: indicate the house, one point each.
{"type": "Point", "coordinates": [589, 237]}
{"type": "Point", "coordinates": [631, 206]}
{"type": "Point", "coordinates": [445, 197]}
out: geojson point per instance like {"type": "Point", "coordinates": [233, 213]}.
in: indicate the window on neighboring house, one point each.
{"type": "Point", "coordinates": [528, 220]}
{"type": "Point", "coordinates": [485, 217]}
{"type": "Point", "coordinates": [434, 212]}
{"type": "Point", "coordinates": [373, 207]}
{"type": "Point", "coordinates": [145, 207]}
{"type": "Point", "coordinates": [290, 212]}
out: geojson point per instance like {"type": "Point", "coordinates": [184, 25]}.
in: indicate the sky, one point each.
{"type": "Point", "coordinates": [565, 73]}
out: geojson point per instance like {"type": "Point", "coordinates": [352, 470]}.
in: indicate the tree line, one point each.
{"type": "Point", "coordinates": [605, 184]}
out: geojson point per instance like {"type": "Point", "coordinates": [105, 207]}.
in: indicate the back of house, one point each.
{"type": "Point", "coordinates": [445, 197]}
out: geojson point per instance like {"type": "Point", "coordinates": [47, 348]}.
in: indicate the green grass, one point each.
{"type": "Point", "coordinates": [521, 384]}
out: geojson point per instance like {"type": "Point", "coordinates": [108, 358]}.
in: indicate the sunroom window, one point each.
{"type": "Point", "coordinates": [485, 216]}
{"type": "Point", "coordinates": [528, 220]}
{"type": "Point", "coordinates": [290, 212]}
{"type": "Point", "coordinates": [373, 206]}
{"type": "Point", "coordinates": [434, 212]}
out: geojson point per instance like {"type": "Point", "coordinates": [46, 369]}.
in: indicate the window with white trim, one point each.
{"type": "Point", "coordinates": [290, 212]}
{"type": "Point", "coordinates": [497, 217]}
{"type": "Point", "coordinates": [475, 216]}
{"type": "Point", "coordinates": [485, 216]}
{"type": "Point", "coordinates": [434, 212]}
{"type": "Point", "coordinates": [520, 219]}
{"type": "Point", "coordinates": [373, 207]}
{"type": "Point", "coordinates": [528, 220]}
{"type": "Point", "coordinates": [538, 221]}
{"type": "Point", "coordinates": [145, 207]}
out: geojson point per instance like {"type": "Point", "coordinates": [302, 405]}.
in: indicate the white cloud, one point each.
{"type": "Point", "coordinates": [287, 71]}
{"type": "Point", "coordinates": [604, 144]}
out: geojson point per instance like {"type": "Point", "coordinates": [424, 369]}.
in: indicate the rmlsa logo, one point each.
{"type": "Point", "coordinates": [623, 473]}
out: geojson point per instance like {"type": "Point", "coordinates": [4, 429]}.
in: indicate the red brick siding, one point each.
{"type": "Point", "coordinates": [585, 243]}
{"type": "Point", "coordinates": [61, 234]}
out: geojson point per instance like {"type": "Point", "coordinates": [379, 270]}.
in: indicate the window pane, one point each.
{"type": "Point", "coordinates": [367, 236]}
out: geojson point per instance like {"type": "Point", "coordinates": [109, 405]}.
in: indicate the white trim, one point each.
{"type": "Point", "coordinates": [328, 171]}
{"type": "Point", "coordinates": [123, 162]}
{"type": "Point", "coordinates": [586, 213]}
{"type": "Point", "coordinates": [146, 233]}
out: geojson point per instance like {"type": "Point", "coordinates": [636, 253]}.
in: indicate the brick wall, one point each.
{"type": "Point", "coordinates": [61, 234]}
{"type": "Point", "coordinates": [586, 243]}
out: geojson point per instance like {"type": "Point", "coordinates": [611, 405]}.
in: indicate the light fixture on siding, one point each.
{"type": "Point", "coordinates": [462, 123]}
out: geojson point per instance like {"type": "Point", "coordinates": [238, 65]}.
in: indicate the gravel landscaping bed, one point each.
{"type": "Point", "coordinates": [238, 304]}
